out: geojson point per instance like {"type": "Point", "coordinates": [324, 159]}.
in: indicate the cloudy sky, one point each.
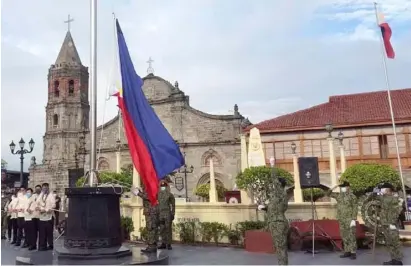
{"type": "Point", "coordinates": [268, 56]}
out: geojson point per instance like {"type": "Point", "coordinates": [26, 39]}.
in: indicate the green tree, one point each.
{"type": "Point", "coordinates": [317, 194]}
{"type": "Point", "coordinates": [124, 178]}
{"type": "Point", "coordinates": [3, 164]}
{"type": "Point", "coordinates": [203, 191]}
{"type": "Point", "coordinates": [256, 180]}
{"type": "Point", "coordinates": [365, 176]}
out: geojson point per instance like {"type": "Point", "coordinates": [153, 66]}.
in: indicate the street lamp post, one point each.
{"type": "Point", "coordinates": [186, 170]}
{"type": "Point", "coordinates": [21, 152]}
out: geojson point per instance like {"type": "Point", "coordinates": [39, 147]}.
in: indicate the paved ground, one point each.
{"type": "Point", "coordinates": [188, 255]}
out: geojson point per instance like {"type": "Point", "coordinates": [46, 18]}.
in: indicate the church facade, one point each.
{"type": "Point", "coordinates": [201, 136]}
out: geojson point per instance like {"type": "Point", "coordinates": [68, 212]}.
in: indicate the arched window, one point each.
{"type": "Point", "coordinates": [55, 120]}
{"type": "Point", "coordinates": [71, 87]}
{"type": "Point", "coordinates": [56, 88]}
{"type": "Point", "coordinates": [103, 164]}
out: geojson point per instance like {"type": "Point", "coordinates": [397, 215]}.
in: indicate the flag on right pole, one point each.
{"type": "Point", "coordinates": [386, 36]}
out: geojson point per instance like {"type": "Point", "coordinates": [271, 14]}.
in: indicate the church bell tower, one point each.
{"type": "Point", "coordinates": [67, 110]}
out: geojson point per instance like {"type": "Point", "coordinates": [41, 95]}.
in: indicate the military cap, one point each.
{"type": "Point", "coordinates": [282, 180]}
{"type": "Point", "coordinates": [387, 185]}
{"type": "Point", "coordinates": [344, 184]}
{"type": "Point", "coordinates": [163, 182]}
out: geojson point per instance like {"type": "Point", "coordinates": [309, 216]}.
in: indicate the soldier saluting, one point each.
{"type": "Point", "coordinates": [387, 217]}
{"type": "Point", "coordinates": [151, 215]}
{"type": "Point", "coordinates": [347, 211]}
{"type": "Point", "coordinates": [276, 208]}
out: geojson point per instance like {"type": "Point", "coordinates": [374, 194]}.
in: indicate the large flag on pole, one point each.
{"type": "Point", "coordinates": [386, 35]}
{"type": "Point", "coordinates": [154, 152]}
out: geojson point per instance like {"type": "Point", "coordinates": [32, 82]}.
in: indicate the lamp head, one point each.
{"type": "Point", "coordinates": [293, 147]}
{"type": "Point", "coordinates": [31, 144]}
{"type": "Point", "coordinates": [21, 143]}
{"type": "Point", "coordinates": [12, 146]}
{"type": "Point", "coordinates": [341, 137]}
{"type": "Point", "coordinates": [329, 128]}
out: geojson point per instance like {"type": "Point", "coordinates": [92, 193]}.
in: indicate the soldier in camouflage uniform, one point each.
{"type": "Point", "coordinates": [5, 200]}
{"type": "Point", "coordinates": [277, 222]}
{"type": "Point", "coordinates": [167, 206]}
{"type": "Point", "coordinates": [390, 208]}
{"type": "Point", "coordinates": [151, 215]}
{"type": "Point", "coordinates": [347, 211]}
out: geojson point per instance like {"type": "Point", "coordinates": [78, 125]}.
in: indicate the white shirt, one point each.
{"type": "Point", "coordinates": [29, 203]}
{"type": "Point", "coordinates": [21, 206]}
{"type": "Point", "coordinates": [35, 214]}
{"type": "Point", "coordinates": [12, 208]}
{"type": "Point", "coordinates": [46, 203]}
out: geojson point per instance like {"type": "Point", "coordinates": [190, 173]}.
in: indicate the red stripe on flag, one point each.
{"type": "Point", "coordinates": [386, 36]}
{"type": "Point", "coordinates": [140, 155]}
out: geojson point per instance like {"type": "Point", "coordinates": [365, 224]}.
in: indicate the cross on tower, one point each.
{"type": "Point", "coordinates": [68, 22]}
{"type": "Point", "coordinates": [150, 69]}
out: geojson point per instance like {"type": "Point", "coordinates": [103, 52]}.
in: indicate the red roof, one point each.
{"type": "Point", "coordinates": [370, 108]}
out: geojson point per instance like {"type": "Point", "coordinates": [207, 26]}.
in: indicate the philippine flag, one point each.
{"type": "Point", "coordinates": [154, 152]}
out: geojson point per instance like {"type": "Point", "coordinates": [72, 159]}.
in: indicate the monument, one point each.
{"type": "Point", "coordinates": [255, 149]}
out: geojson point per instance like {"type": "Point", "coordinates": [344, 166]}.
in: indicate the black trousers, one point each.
{"type": "Point", "coordinates": [20, 228]}
{"type": "Point", "coordinates": [45, 234]}
{"type": "Point", "coordinates": [9, 227]}
{"type": "Point", "coordinates": [29, 233]}
{"type": "Point", "coordinates": [36, 225]}
{"type": "Point", "coordinates": [14, 228]}
{"type": "Point", "coordinates": [56, 218]}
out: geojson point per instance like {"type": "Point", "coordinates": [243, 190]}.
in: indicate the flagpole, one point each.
{"type": "Point", "coordinates": [387, 83]}
{"type": "Point", "coordinates": [93, 91]}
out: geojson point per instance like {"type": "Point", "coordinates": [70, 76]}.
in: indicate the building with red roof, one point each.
{"type": "Point", "coordinates": [363, 119]}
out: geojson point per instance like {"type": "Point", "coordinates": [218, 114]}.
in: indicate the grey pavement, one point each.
{"type": "Point", "coordinates": [199, 255]}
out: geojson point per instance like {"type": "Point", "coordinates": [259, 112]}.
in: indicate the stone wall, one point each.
{"type": "Point", "coordinates": [200, 135]}
{"type": "Point", "coordinates": [227, 213]}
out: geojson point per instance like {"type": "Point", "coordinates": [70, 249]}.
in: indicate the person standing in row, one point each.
{"type": "Point", "coordinates": [347, 211]}
{"type": "Point", "coordinates": [167, 207]}
{"type": "Point", "coordinates": [5, 200]}
{"type": "Point", "coordinates": [56, 211]}
{"type": "Point", "coordinates": [150, 213]}
{"type": "Point", "coordinates": [28, 221]}
{"type": "Point", "coordinates": [20, 207]}
{"type": "Point", "coordinates": [45, 205]}
{"type": "Point", "coordinates": [13, 217]}
{"type": "Point", "coordinates": [36, 216]}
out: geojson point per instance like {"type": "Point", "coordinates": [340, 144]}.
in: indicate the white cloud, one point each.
{"type": "Point", "coordinates": [257, 55]}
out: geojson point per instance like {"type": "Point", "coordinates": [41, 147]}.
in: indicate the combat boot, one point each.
{"type": "Point", "coordinates": [162, 246]}
{"type": "Point", "coordinates": [393, 262]}
{"type": "Point", "coordinates": [149, 250]}
{"type": "Point", "coordinates": [345, 255]}
{"type": "Point", "coordinates": [353, 256]}
{"type": "Point", "coordinates": [169, 247]}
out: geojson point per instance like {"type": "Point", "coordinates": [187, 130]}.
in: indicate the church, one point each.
{"type": "Point", "coordinates": [201, 136]}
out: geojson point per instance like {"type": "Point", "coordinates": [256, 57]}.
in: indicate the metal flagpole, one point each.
{"type": "Point", "coordinates": [387, 83]}
{"type": "Point", "coordinates": [93, 91]}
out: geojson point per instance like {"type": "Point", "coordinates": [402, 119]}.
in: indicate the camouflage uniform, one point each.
{"type": "Point", "coordinates": [167, 205]}
{"type": "Point", "coordinates": [347, 211]}
{"type": "Point", "coordinates": [277, 222]}
{"type": "Point", "coordinates": [151, 214]}
{"type": "Point", "coordinates": [4, 202]}
{"type": "Point", "coordinates": [390, 209]}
